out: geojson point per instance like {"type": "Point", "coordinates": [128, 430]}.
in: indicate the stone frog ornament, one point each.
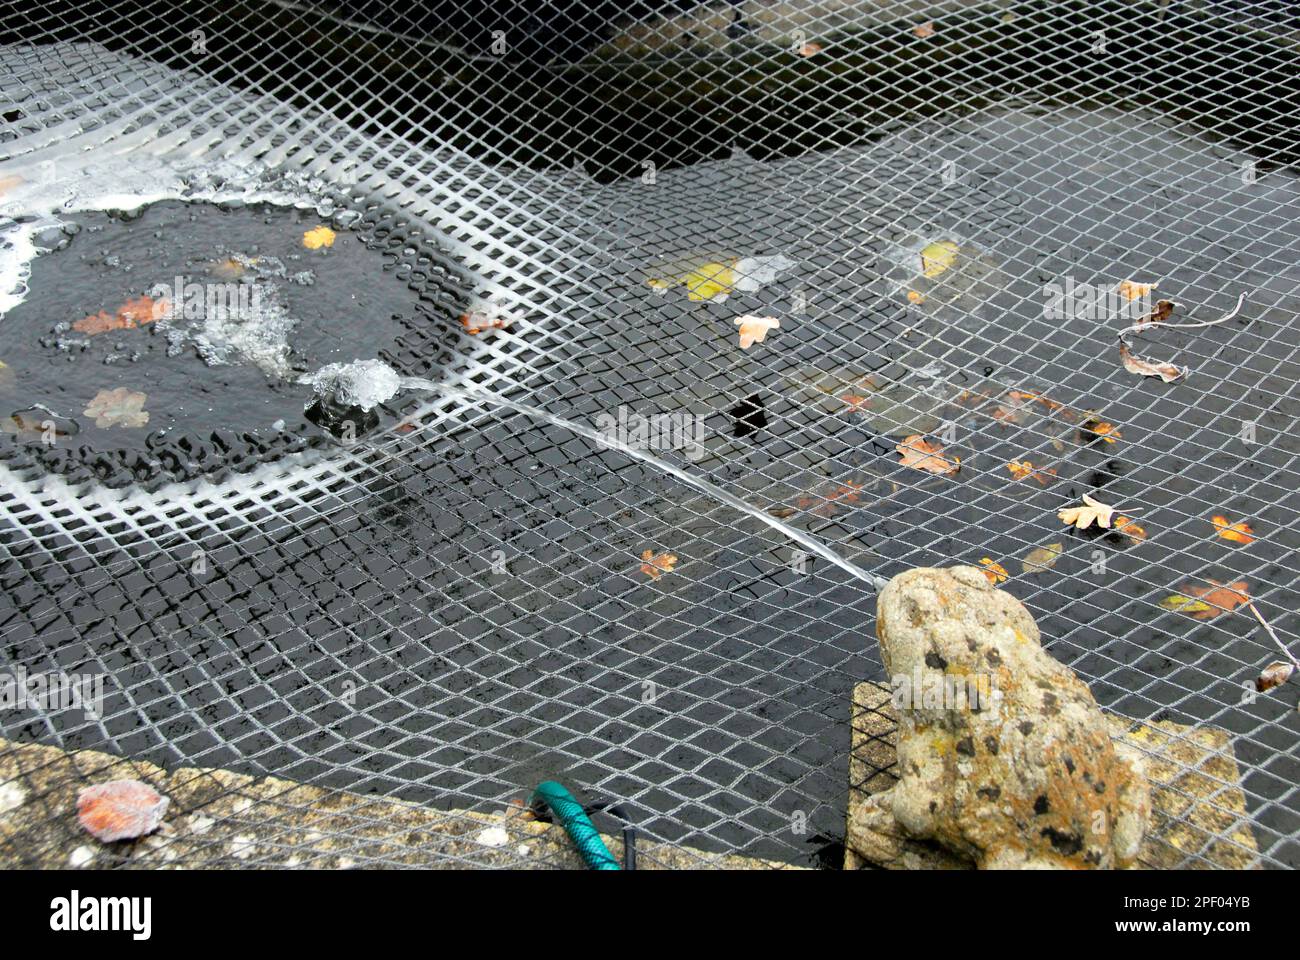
{"type": "Point", "coordinates": [1027, 777]}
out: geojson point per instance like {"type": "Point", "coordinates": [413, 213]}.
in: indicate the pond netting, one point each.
{"type": "Point", "coordinates": [856, 269]}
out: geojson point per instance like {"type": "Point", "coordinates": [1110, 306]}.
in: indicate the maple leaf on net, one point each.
{"type": "Point", "coordinates": [922, 454]}
{"type": "Point", "coordinates": [1092, 511]}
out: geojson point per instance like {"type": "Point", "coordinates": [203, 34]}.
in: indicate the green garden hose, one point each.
{"type": "Point", "coordinates": [569, 814]}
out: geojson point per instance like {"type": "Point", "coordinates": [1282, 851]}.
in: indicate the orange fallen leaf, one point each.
{"type": "Point", "coordinates": [1020, 469]}
{"type": "Point", "coordinates": [1019, 396]}
{"type": "Point", "coordinates": [825, 506]}
{"type": "Point", "coordinates": [1092, 511]}
{"type": "Point", "coordinates": [808, 49]}
{"type": "Point", "coordinates": [921, 454]}
{"type": "Point", "coordinates": [994, 571]}
{"type": "Point", "coordinates": [1239, 532]}
{"type": "Point", "coordinates": [120, 810]}
{"type": "Point", "coordinates": [1100, 429]}
{"type": "Point", "coordinates": [1218, 598]}
{"type": "Point", "coordinates": [754, 329]}
{"type": "Point", "coordinates": [1130, 528]}
{"type": "Point", "coordinates": [132, 314]}
{"type": "Point", "coordinates": [915, 296]}
{"type": "Point", "coordinates": [924, 30]}
{"type": "Point", "coordinates": [657, 563]}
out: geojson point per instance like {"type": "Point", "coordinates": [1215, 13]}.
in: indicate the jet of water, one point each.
{"type": "Point", "coordinates": [376, 382]}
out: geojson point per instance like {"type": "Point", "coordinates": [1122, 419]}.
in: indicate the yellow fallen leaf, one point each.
{"type": "Point", "coordinates": [915, 296]}
{"type": "Point", "coordinates": [994, 571]}
{"type": "Point", "coordinates": [1092, 511]}
{"type": "Point", "coordinates": [318, 237]}
{"type": "Point", "coordinates": [1239, 532]}
{"type": "Point", "coordinates": [1042, 559]}
{"type": "Point", "coordinates": [754, 329]}
{"type": "Point", "coordinates": [709, 281]}
{"type": "Point", "coordinates": [1177, 603]}
{"type": "Point", "coordinates": [938, 257]}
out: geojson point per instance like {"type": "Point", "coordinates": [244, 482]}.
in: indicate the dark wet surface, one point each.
{"type": "Point", "coordinates": [337, 303]}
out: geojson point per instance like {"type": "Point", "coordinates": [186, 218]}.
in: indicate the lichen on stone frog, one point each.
{"type": "Point", "coordinates": [1025, 776]}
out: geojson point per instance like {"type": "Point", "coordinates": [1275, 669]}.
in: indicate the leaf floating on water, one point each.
{"type": "Point", "coordinates": [1167, 372]}
{"type": "Point", "coordinates": [1092, 511]}
{"type": "Point", "coordinates": [318, 237]}
{"type": "Point", "coordinates": [1177, 603]}
{"type": "Point", "coordinates": [1042, 559]}
{"type": "Point", "coordinates": [657, 563]}
{"type": "Point", "coordinates": [1274, 675]}
{"type": "Point", "coordinates": [716, 281]}
{"type": "Point", "coordinates": [1021, 469]}
{"type": "Point", "coordinates": [132, 314]}
{"type": "Point", "coordinates": [1130, 528]}
{"type": "Point", "coordinates": [120, 407]}
{"type": "Point", "coordinates": [924, 30]}
{"type": "Point", "coordinates": [1095, 429]}
{"type": "Point", "coordinates": [1239, 532]}
{"type": "Point", "coordinates": [921, 454]}
{"type": "Point", "coordinates": [753, 329]}
{"type": "Point", "coordinates": [1206, 603]}
{"type": "Point", "coordinates": [824, 506]}
{"type": "Point", "coordinates": [809, 49]}
{"type": "Point", "coordinates": [120, 810]}
{"type": "Point", "coordinates": [994, 571]}
{"type": "Point", "coordinates": [1132, 290]}
{"type": "Point", "coordinates": [938, 257]}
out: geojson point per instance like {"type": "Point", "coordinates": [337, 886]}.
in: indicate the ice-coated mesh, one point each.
{"type": "Point", "coordinates": [461, 604]}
